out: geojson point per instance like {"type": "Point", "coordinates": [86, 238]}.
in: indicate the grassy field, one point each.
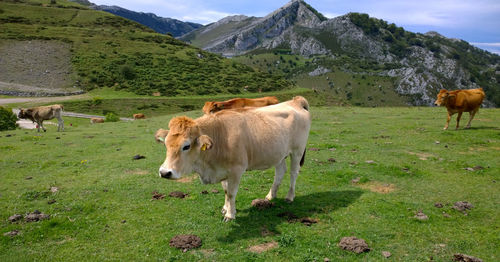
{"type": "Point", "coordinates": [404, 162]}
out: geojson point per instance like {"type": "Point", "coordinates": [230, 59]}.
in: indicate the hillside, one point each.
{"type": "Point", "coordinates": [100, 49]}
{"type": "Point", "coordinates": [161, 25]}
{"type": "Point", "coordinates": [417, 65]}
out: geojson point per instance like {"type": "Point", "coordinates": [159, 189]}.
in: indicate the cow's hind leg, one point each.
{"type": "Point", "coordinates": [279, 172]}
{"type": "Point", "coordinates": [471, 114]}
{"type": "Point", "coordinates": [60, 124]}
{"type": "Point", "coordinates": [458, 118]}
{"type": "Point", "coordinates": [294, 173]}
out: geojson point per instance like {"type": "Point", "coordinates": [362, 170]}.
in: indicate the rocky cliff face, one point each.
{"type": "Point", "coordinates": [420, 64]}
{"type": "Point", "coordinates": [159, 24]}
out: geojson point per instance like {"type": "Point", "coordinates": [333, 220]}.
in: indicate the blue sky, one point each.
{"type": "Point", "coordinates": [477, 21]}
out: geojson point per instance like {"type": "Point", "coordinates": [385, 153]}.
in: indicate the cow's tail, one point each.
{"type": "Point", "coordinates": [303, 159]}
{"type": "Point", "coordinates": [302, 102]}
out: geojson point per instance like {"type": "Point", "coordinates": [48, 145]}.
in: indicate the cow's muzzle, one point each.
{"type": "Point", "coordinates": [165, 174]}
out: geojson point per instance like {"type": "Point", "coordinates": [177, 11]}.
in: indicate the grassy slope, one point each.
{"type": "Point", "coordinates": [100, 186]}
{"type": "Point", "coordinates": [111, 51]}
{"type": "Point", "coordinates": [342, 87]}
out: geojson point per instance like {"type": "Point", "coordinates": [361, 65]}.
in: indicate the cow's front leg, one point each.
{"type": "Point", "coordinates": [225, 207]}
{"type": "Point", "coordinates": [233, 182]}
{"type": "Point", "coordinates": [447, 121]}
{"type": "Point", "coordinates": [279, 172]}
{"type": "Point", "coordinates": [458, 118]}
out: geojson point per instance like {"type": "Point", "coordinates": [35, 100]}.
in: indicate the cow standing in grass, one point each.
{"type": "Point", "coordinates": [41, 113]}
{"type": "Point", "coordinates": [220, 147]}
{"type": "Point", "coordinates": [459, 101]}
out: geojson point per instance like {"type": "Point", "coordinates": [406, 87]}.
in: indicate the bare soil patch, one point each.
{"type": "Point", "coordinates": [12, 233]}
{"type": "Point", "coordinates": [36, 66]}
{"type": "Point", "coordinates": [463, 206]}
{"type": "Point", "coordinates": [187, 179]}
{"type": "Point", "coordinates": [354, 244]}
{"type": "Point", "coordinates": [263, 247]}
{"type": "Point", "coordinates": [185, 242]}
{"type": "Point", "coordinates": [15, 218]}
{"type": "Point", "coordinates": [137, 172]}
{"type": "Point", "coordinates": [421, 216]}
{"type": "Point", "coordinates": [422, 156]}
{"type": "Point", "coordinates": [378, 187]}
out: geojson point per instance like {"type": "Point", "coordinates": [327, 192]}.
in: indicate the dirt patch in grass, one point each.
{"type": "Point", "coordinates": [187, 179]}
{"type": "Point", "coordinates": [422, 156]}
{"type": "Point", "coordinates": [262, 204]}
{"type": "Point", "coordinates": [421, 216]}
{"type": "Point", "coordinates": [354, 244]}
{"type": "Point", "coordinates": [185, 242]}
{"type": "Point", "coordinates": [378, 187]}
{"type": "Point", "coordinates": [263, 247]}
{"type": "Point", "coordinates": [308, 221]}
{"type": "Point", "coordinates": [36, 216]}
{"type": "Point", "coordinates": [15, 218]}
{"type": "Point", "coordinates": [157, 196]}
{"type": "Point", "coordinates": [463, 206]}
{"type": "Point", "coordinates": [177, 194]}
{"type": "Point", "coordinates": [465, 258]}
{"type": "Point", "coordinates": [12, 233]}
{"type": "Point", "coordinates": [137, 172]}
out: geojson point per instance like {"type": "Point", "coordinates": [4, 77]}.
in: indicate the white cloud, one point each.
{"type": "Point", "coordinates": [491, 47]}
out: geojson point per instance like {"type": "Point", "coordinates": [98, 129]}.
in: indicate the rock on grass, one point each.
{"type": "Point", "coordinates": [354, 244]}
{"type": "Point", "coordinates": [185, 242]}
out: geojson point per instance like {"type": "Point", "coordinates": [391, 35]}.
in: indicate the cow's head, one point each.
{"type": "Point", "coordinates": [184, 144]}
{"type": "Point", "coordinates": [442, 97]}
{"type": "Point", "coordinates": [25, 113]}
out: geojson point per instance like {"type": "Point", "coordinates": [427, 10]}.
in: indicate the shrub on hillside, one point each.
{"type": "Point", "coordinates": [111, 117]}
{"type": "Point", "coordinates": [7, 119]}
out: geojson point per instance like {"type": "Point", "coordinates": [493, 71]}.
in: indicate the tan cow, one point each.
{"type": "Point", "coordinates": [212, 107]}
{"type": "Point", "coordinates": [41, 113]}
{"type": "Point", "coordinates": [139, 116]}
{"type": "Point", "coordinates": [459, 101]}
{"type": "Point", "coordinates": [221, 147]}
{"type": "Point", "coordinates": [94, 120]}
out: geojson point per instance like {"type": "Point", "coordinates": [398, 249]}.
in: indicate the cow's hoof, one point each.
{"type": "Point", "coordinates": [288, 200]}
{"type": "Point", "coordinates": [445, 128]}
{"type": "Point", "coordinates": [269, 197]}
{"type": "Point", "coordinates": [227, 219]}
{"type": "Point", "coordinates": [223, 211]}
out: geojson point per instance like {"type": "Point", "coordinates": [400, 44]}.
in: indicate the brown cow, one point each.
{"type": "Point", "coordinates": [221, 147]}
{"type": "Point", "coordinates": [212, 107]}
{"type": "Point", "coordinates": [95, 120]}
{"type": "Point", "coordinates": [459, 101]}
{"type": "Point", "coordinates": [139, 116]}
{"type": "Point", "coordinates": [41, 113]}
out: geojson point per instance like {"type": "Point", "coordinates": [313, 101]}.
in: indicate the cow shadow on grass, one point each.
{"type": "Point", "coordinates": [255, 223]}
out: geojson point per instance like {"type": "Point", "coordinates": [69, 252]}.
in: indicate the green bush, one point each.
{"type": "Point", "coordinates": [7, 119]}
{"type": "Point", "coordinates": [111, 117]}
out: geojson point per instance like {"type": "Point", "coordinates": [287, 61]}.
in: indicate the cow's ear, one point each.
{"type": "Point", "coordinates": [205, 142]}
{"type": "Point", "coordinates": [160, 135]}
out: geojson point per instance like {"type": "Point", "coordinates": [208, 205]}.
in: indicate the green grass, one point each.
{"type": "Point", "coordinates": [104, 211]}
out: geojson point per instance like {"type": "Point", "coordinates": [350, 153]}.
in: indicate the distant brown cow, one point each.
{"type": "Point", "coordinates": [41, 113]}
{"type": "Point", "coordinates": [95, 120]}
{"type": "Point", "coordinates": [212, 107]}
{"type": "Point", "coordinates": [139, 116]}
{"type": "Point", "coordinates": [459, 101]}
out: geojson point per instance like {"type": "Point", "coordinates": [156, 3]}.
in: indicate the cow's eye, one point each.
{"type": "Point", "coordinates": [185, 148]}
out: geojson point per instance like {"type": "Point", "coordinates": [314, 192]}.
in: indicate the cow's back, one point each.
{"type": "Point", "coordinates": [258, 137]}
{"type": "Point", "coordinates": [467, 100]}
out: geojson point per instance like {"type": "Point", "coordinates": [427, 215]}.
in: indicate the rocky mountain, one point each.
{"type": "Point", "coordinates": [159, 24]}
{"type": "Point", "coordinates": [418, 64]}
